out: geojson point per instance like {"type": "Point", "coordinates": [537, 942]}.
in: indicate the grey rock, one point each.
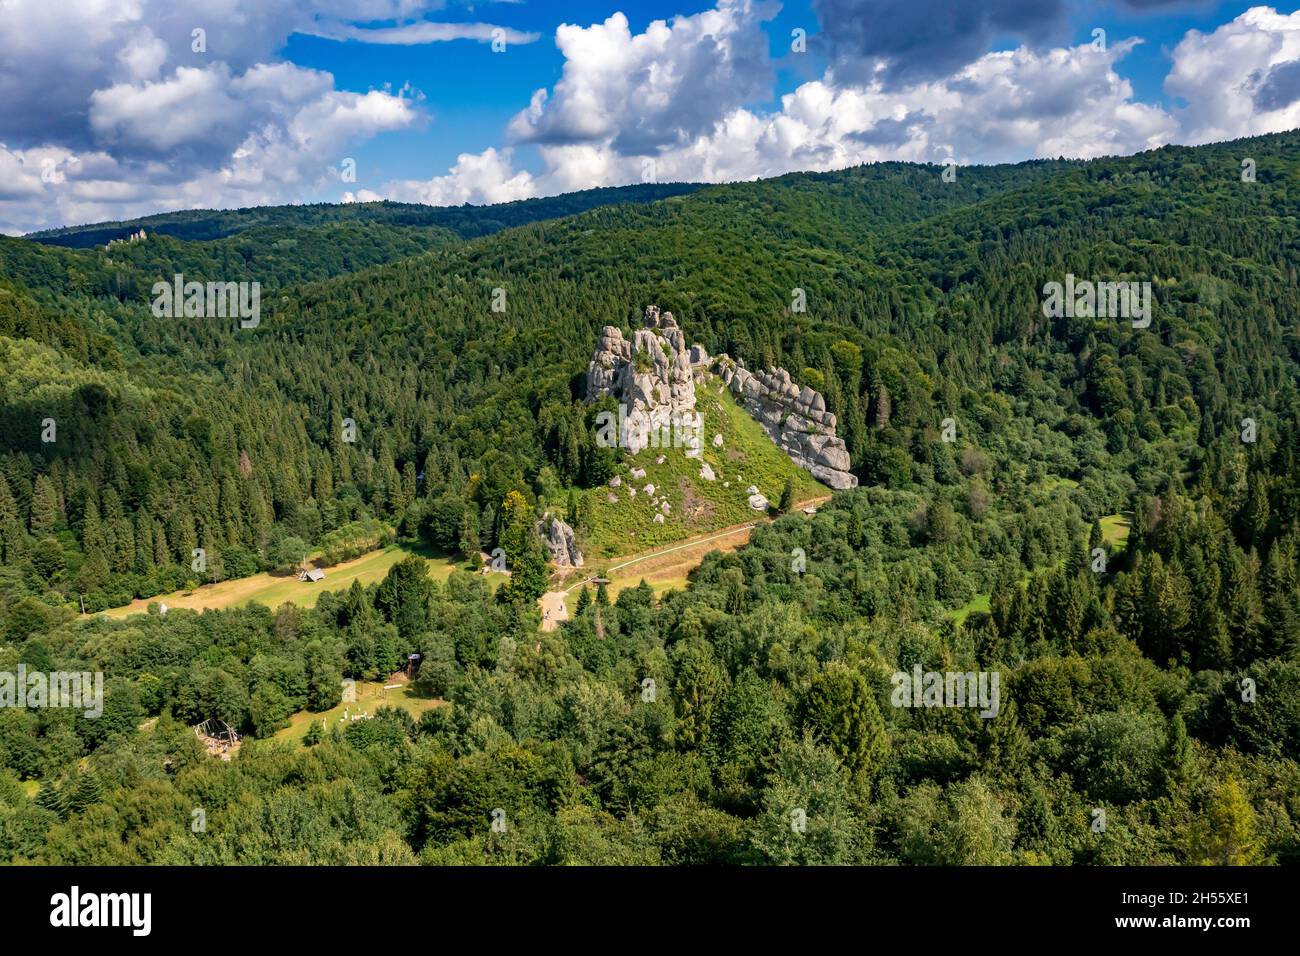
{"type": "Point", "coordinates": [560, 542]}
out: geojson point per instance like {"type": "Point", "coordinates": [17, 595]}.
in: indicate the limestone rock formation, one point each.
{"type": "Point", "coordinates": [560, 542]}
{"type": "Point", "coordinates": [793, 417]}
{"type": "Point", "coordinates": [654, 376]}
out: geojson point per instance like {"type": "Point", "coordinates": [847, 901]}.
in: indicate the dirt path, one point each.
{"type": "Point", "coordinates": [660, 566]}
{"type": "Point", "coordinates": [553, 610]}
{"type": "Point", "coordinates": [745, 528]}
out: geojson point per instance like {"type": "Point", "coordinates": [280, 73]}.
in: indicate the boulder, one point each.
{"type": "Point", "coordinates": [560, 542]}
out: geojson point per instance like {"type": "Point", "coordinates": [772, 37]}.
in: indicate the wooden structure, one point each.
{"type": "Point", "coordinates": [312, 574]}
{"type": "Point", "coordinates": [218, 737]}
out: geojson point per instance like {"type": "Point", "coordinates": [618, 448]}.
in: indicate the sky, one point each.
{"type": "Point", "coordinates": [113, 109]}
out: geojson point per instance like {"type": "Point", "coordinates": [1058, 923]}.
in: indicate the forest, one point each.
{"type": "Point", "coordinates": [1150, 681]}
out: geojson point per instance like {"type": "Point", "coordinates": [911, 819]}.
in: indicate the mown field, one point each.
{"type": "Point", "coordinates": [274, 590]}
{"type": "Point", "coordinates": [371, 695]}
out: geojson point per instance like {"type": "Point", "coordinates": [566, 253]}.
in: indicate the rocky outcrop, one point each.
{"type": "Point", "coordinates": [654, 376]}
{"type": "Point", "coordinates": [793, 417]}
{"type": "Point", "coordinates": [560, 541]}
{"type": "Point", "coordinates": [653, 379]}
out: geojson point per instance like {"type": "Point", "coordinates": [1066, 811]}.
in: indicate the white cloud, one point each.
{"type": "Point", "coordinates": [361, 195]}
{"type": "Point", "coordinates": [194, 107]}
{"type": "Point", "coordinates": [129, 120]}
{"type": "Point", "coordinates": [653, 89]}
{"type": "Point", "coordinates": [415, 34]}
{"type": "Point", "coordinates": [135, 121]}
{"type": "Point", "coordinates": [1239, 80]}
{"type": "Point", "coordinates": [1004, 107]}
{"type": "Point", "coordinates": [143, 57]}
{"type": "Point", "coordinates": [486, 177]}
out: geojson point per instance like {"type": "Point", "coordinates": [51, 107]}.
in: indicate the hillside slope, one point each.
{"type": "Point", "coordinates": [923, 305]}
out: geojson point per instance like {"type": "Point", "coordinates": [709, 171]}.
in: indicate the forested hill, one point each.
{"type": "Point", "coordinates": [466, 220]}
{"type": "Point", "coordinates": [1102, 510]}
{"type": "Point", "coordinates": [923, 304]}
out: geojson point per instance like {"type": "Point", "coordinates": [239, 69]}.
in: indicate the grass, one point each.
{"type": "Point", "coordinates": [370, 697]}
{"type": "Point", "coordinates": [660, 585]}
{"type": "Point", "coordinates": [979, 602]}
{"type": "Point", "coordinates": [747, 457]}
{"type": "Point", "coordinates": [664, 569]}
{"type": "Point", "coordinates": [274, 590]}
{"type": "Point", "coordinates": [1115, 529]}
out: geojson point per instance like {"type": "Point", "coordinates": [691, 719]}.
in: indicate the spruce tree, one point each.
{"type": "Point", "coordinates": [787, 496]}
{"type": "Point", "coordinates": [45, 507]}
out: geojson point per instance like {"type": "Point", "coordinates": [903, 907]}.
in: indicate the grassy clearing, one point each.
{"type": "Point", "coordinates": [660, 585]}
{"type": "Point", "coordinates": [1114, 532]}
{"type": "Point", "coordinates": [979, 602]}
{"type": "Point", "coordinates": [274, 590]}
{"type": "Point", "coordinates": [1115, 529]}
{"type": "Point", "coordinates": [747, 457]}
{"type": "Point", "coordinates": [370, 697]}
{"type": "Point", "coordinates": [669, 567]}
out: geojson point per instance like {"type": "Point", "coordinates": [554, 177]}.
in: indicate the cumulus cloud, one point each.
{"type": "Point", "coordinates": [414, 34]}
{"type": "Point", "coordinates": [159, 104]}
{"type": "Point", "coordinates": [1003, 107]}
{"type": "Point", "coordinates": [654, 105]}
{"type": "Point", "coordinates": [131, 120]}
{"type": "Point", "coordinates": [653, 89]}
{"type": "Point", "coordinates": [1240, 80]}
{"type": "Point", "coordinates": [905, 41]}
{"type": "Point", "coordinates": [486, 177]}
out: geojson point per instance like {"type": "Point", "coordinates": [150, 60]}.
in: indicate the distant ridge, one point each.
{"type": "Point", "coordinates": [465, 220]}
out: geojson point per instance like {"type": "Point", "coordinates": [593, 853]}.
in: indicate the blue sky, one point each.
{"type": "Point", "coordinates": [133, 115]}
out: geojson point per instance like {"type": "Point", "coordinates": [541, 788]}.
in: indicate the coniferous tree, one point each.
{"type": "Point", "coordinates": [45, 507]}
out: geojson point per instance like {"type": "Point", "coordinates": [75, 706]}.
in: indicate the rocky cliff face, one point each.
{"type": "Point", "coordinates": [560, 542]}
{"type": "Point", "coordinates": [652, 376]}
{"type": "Point", "coordinates": [795, 418]}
